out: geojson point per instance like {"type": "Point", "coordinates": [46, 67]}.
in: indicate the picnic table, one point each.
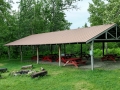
{"type": "Point", "coordinates": [63, 59]}
{"type": "Point", "coordinates": [50, 57]}
{"type": "Point", "coordinates": [75, 61]}
{"type": "Point", "coordinates": [109, 57]}
{"type": "Point", "coordinates": [47, 58]}
{"type": "Point", "coordinates": [35, 57]}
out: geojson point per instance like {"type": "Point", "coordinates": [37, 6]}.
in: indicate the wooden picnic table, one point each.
{"type": "Point", "coordinates": [35, 57]}
{"type": "Point", "coordinates": [50, 58]}
{"type": "Point", "coordinates": [75, 61]}
{"type": "Point", "coordinates": [47, 58]}
{"type": "Point", "coordinates": [65, 57]}
{"type": "Point", "coordinates": [109, 57]}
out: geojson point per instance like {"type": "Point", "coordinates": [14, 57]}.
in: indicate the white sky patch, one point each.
{"type": "Point", "coordinates": [15, 4]}
{"type": "Point", "coordinates": [79, 17]}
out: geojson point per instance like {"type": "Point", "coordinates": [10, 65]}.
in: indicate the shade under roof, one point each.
{"type": "Point", "coordinates": [81, 35]}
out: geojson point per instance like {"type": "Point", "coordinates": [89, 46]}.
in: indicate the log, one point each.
{"type": "Point", "coordinates": [38, 74]}
{"type": "Point", "coordinates": [27, 67]}
{"type": "Point", "coordinates": [2, 70]}
{"type": "Point", "coordinates": [22, 72]}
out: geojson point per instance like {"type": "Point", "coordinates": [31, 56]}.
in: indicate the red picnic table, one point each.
{"type": "Point", "coordinates": [75, 61]}
{"type": "Point", "coordinates": [63, 59]}
{"type": "Point", "coordinates": [35, 57]}
{"type": "Point", "coordinates": [109, 57]}
{"type": "Point", "coordinates": [50, 58]}
{"type": "Point", "coordinates": [47, 58]}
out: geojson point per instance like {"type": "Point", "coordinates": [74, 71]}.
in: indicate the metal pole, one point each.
{"type": "Point", "coordinates": [91, 53]}
{"type": "Point", "coordinates": [116, 33]}
{"type": "Point", "coordinates": [37, 54]}
{"type": "Point", "coordinates": [103, 46]}
{"type": "Point", "coordinates": [106, 43]}
{"type": "Point", "coordinates": [59, 55]}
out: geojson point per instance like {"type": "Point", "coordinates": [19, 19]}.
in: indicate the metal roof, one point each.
{"type": "Point", "coordinates": [81, 35]}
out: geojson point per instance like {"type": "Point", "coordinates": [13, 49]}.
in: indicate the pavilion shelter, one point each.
{"type": "Point", "coordinates": [101, 33]}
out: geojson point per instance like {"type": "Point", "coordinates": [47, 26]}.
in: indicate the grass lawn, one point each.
{"type": "Point", "coordinates": [59, 78]}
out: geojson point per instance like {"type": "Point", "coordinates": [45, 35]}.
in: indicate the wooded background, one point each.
{"type": "Point", "coordinates": [40, 16]}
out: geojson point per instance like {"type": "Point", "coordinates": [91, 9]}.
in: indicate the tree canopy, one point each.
{"type": "Point", "coordinates": [32, 17]}
{"type": "Point", "coordinates": [104, 12]}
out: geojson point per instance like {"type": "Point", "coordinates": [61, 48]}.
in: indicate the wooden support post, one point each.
{"type": "Point", "coordinates": [59, 55]}
{"type": "Point", "coordinates": [91, 53]}
{"type": "Point", "coordinates": [37, 54]}
{"type": "Point", "coordinates": [81, 49]}
{"type": "Point", "coordinates": [21, 53]}
{"type": "Point", "coordinates": [51, 49]}
{"type": "Point", "coordinates": [9, 52]}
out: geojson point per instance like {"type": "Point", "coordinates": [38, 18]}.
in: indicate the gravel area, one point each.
{"type": "Point", "coordinates": [107, 65]}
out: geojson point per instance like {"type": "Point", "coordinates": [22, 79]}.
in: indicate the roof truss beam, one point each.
{"type": "Point", "coordinates": [110, 35]}
{"type": "Point", "coordinates": [118, 37]}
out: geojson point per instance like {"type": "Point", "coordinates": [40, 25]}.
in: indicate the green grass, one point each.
{"type": "Point", "coordinates": [59, 78]}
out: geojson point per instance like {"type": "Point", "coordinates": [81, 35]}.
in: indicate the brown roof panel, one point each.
{"type": "Point", "coordinates": [67, 36]}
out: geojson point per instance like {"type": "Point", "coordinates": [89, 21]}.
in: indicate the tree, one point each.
{"type": "Point", "coordinates": [85, 25]}
{"type": "Point", "coordinates": [104, 13]}
{"type": "Point", "coordinates": [6, 25]}
{"type": "Point", "coordinates": [96, 10]}
{"type": "Point", "coordinates": [37, 16]}
{"type": "Point", "coordinates": [33, 16]}
{"type": "Point", "coordinates": [112, 12]}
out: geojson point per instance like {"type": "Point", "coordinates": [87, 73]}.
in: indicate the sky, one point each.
{"type": "Point", "coordinates": [77, 17]}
